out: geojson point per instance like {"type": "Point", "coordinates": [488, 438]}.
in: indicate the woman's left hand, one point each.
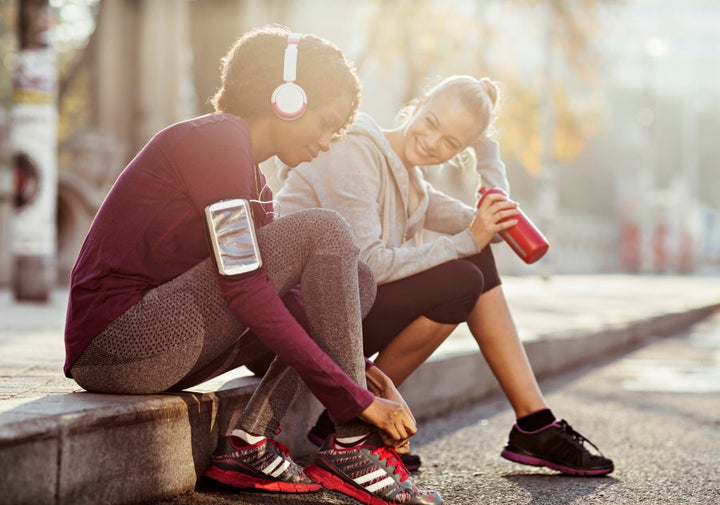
{"type": "Point", "coordinates": [382, 386]}
{"type": "Point", "coordinates": [494, 214]}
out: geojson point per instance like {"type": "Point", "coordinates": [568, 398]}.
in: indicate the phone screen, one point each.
{"type": "Point", "coordinates": [232, 234]}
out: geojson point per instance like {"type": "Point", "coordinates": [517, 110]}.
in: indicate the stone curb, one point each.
{"type": "Point", "coordinates": [157, 446]}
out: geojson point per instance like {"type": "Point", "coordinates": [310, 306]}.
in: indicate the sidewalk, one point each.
{"type": "Point", "coordinates": [60, 445]}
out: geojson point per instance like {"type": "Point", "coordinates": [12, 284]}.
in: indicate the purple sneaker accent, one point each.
{"type": "Point", "coordinates": [558, 447]}
{"type": "Point", "coordinates": [316, 438]}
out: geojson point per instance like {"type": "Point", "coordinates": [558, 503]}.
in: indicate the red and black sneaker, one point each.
{"type": "Point", "coordinates": [324, 427]}
{"type": "Point", "coordinates": [265, 465]}
{"type": "Point", "coordinates": [371, 472]}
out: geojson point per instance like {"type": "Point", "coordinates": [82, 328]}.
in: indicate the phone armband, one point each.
{"type": "Point", "coordinates": [233, 238]}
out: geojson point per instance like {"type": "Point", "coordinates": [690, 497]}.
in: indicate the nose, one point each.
{"type": "Point", "coordinates": [433, 140]}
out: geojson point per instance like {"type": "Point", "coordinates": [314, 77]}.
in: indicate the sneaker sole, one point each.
{"type": "Point", "coordinates": [331, 481]}
{"type": "Point", "coordinates": [525, 459]}
{"type": "Point", "coordinates": [239, 480]}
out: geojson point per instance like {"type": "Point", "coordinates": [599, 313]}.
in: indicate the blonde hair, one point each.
{"type": "Point", "coordinates": [479, 96]}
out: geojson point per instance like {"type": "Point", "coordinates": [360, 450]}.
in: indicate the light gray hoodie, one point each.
{"type": "Point", "coordinates": [363, 179]}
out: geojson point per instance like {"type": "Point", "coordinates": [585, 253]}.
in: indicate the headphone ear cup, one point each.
{"type": "Point", "coordinates": [289, 101]}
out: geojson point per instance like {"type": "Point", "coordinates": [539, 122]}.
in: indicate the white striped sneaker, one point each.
{"type": "Point", "coordinates": [264, 465]}
{"type": "Point", "coordinates": [370, 472]}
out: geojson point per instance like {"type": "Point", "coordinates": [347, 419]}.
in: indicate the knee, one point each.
{"type": "Point", "coordinates": [463, 283]}
{"type": "Point", "coordinates": [332, 230]}
{"type": "Point", "coordinates": [468, 280]}
{"type": "Point", "coordinates": [330, 220]}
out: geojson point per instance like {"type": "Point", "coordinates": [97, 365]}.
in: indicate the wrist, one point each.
{"type": "Point", "coordinates": [376, 379]}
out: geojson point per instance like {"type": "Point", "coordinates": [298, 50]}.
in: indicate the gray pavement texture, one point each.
{"type": "Point", "coordinates": [61, 445]}
{"type": "Point", "coordinates": [654, 410]}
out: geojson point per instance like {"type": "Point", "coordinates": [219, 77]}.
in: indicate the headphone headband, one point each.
{"type": "Point", "coordinates": [289, 100]}
{"type": "Point", "coordinates": [290, 65]}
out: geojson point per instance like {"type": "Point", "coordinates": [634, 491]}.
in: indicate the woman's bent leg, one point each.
{"type": "Point", "coordinates": [176, 330]}
{"type": "Point", "coordinates": [316, 249]}
{"type": "Point", "coordinates": [411, 347]}
{"type": "Point", "coordinates": [368, 289]}
{"type": "Point", "coordinates": [413, 316]}
{"type": "Point", "coordinates": [494, 330]}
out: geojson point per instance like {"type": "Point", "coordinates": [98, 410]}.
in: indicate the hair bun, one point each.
{"type": "Point", "coordinates": [490, 88]}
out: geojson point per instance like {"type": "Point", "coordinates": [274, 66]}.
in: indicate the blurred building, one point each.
{"type": "Point", "coordinates": [643, 195]}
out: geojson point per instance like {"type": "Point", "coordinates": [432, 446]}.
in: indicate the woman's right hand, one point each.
{"type": "Point", "coordinates": [487, 221]}
{"type": "Point", "coordinates": [394, 425]}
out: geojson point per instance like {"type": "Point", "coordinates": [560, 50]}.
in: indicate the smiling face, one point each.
{"type": "Point", "coordinates": [302, 140]}
{"type": "Point", "coordinates": [439, 129]}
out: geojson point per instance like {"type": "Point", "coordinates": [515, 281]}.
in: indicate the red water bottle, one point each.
{"type": "Point", "coordinates": [524, 238]}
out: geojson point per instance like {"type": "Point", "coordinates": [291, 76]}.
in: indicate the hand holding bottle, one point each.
{"type": "Point", "coordinates": [524, 237]}
{"type": "Point", "coordinates": [494, 214]}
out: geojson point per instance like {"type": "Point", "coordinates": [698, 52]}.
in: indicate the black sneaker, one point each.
{"type": "Point", "coordinates": [324, 427]}
{"type": "Point", "coordinates": [371, 472]}
{"type": "Point", "coordinates": [264, 465]}
{"type": "Point", "coordinates": [556, 446]}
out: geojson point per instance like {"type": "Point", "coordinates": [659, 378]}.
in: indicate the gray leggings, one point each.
{"type": "Point", "coordinates": [181, 333]}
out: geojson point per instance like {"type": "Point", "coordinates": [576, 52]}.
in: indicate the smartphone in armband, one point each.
{"type": "Point", "coordinates": [233, 238]}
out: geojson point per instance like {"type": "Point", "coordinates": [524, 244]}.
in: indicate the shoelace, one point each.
{"type": "Point", "coordinates": [280, 446]}
{"type": "Point", "coordinates": [393, 460]}
{"type": "Point", "coordinates": [577, 436]}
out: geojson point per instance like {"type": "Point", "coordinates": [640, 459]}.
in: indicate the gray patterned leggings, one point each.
{"type": "Point", "coordinates": [181, 333]}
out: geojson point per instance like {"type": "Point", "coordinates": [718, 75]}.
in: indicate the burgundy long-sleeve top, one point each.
{"type": "Point", "coordinates": [151, 228]}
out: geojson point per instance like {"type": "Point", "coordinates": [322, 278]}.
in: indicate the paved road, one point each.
{"type": "Point", "coordinates": [655, 411]}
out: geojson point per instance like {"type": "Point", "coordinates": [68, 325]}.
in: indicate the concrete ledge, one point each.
{"type": "Point", "coordinates": [65, 449]}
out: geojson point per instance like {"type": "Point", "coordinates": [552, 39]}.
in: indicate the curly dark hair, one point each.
{"type": "Point", "coordinates": [253, 68]}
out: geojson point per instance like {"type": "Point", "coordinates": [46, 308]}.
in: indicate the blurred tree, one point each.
{"type": "Point", "coordinates": [74, 24]}
{"type": "Point", "coordinates": [571, 69]}
{"type": "Point", "coordinates": [74, 53]}
{"type": "Point", "coordinates": [418, 40]}
{"type": "Point", "coordinates": [215, 24]}
{"type": "Point", "coordinates": [213, 29]}
{"type": "Point", "coordinates": [8, 44]}
{"type": "Point", "coordinates": [426, 38]}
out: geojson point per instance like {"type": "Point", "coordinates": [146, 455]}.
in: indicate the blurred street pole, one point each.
{"type": "Point", "coordinates": [686, 241]}
{"type": "Point", "coordinates": [654, 49]}
{"type": "Point", "coordinates": [548, 197]}
{"type": "Point", "coordinates": [7, 184]}
{"type": "Point", "coordinates": [33, 154]}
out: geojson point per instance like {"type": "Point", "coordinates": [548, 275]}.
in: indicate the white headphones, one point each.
{"type": "Point", "coordinates": [289, 100]}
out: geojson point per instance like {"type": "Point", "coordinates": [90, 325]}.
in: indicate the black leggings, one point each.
{"type": "Point", "coordinates": [445, 294]}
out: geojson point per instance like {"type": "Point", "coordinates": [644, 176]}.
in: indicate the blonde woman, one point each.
{"type": "Point", "coordinates": [372, 177]}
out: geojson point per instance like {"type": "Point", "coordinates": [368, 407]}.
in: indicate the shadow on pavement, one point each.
{"type": "Point", "coordinates": [559, 489]}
